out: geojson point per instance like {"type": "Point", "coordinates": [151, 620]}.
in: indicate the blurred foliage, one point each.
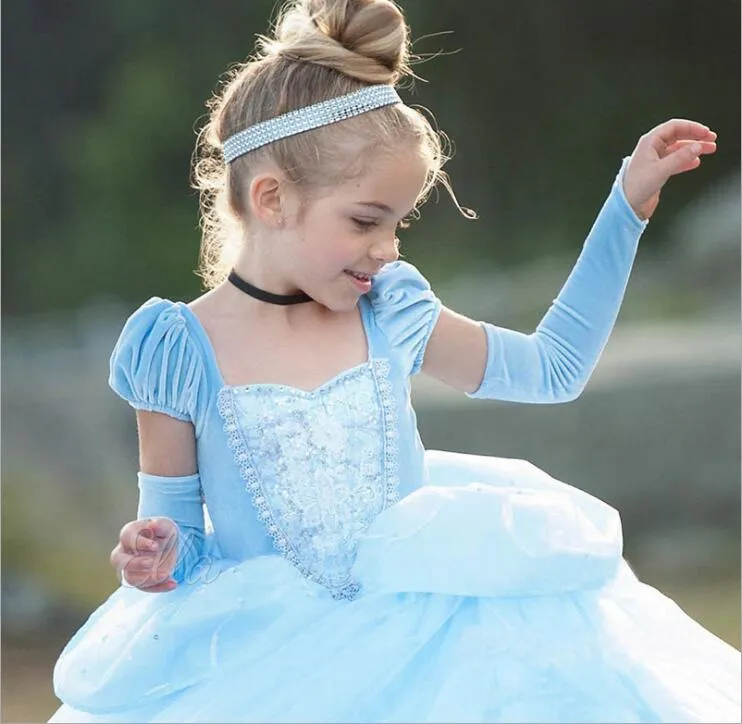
{"type": "Point", "coordinates": [542, 101]}
{"type": "Point", "coordinates": [66, 551]}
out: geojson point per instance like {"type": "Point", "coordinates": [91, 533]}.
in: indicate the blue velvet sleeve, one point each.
{"type": "Point", "coordinates": [406, 310]}
{"type": "Point", "coordinates": [156, 366]}
{"type": "Point", "coordinates": [555, 362]}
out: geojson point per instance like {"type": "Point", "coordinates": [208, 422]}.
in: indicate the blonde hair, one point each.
{"type": "Point", "coordinates": [320, 49]}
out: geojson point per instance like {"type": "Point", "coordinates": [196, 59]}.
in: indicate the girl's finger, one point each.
{"type": "Point", "coordinates": [707, 147]}
{"type": "Point", "coordinates": [164, 587]}
{"type": "Point", "coordinates": [133, 540]}
{"type": "Point", "coordinates": [686, 158]}
{"type": "Point", "coordinates": [677, 129]}
{"type": "Point", "coordinates": [142, 564]}
{"type": "Point", "coordinates": [129, 578]}
{"type": "Point", "coordinates": [138, 574]}
{"type": "Point", "coordinates": [162, 527]}
{"type": "Point", "coordinates": [120, 560]}
{"type": "Point", "coordinates": [147, 535]}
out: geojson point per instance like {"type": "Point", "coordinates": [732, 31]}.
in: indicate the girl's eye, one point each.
{"type": "Point", "coordinates": [363, 224]}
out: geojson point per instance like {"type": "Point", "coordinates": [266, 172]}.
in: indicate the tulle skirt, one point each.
{"type": "Point", "coordinates": [495, 594]}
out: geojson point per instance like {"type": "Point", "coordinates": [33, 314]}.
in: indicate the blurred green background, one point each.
{"type": "Point", "coordinates": [542, 100]}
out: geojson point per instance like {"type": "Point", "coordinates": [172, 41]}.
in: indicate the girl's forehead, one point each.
{"type": "Point", "coordinates": [393, 182]}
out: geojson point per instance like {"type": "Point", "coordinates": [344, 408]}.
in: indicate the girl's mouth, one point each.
{"type": "Point", "coordinates": [362, 282]}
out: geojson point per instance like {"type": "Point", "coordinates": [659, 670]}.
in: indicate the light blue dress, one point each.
{"type": "Point", "coordinates": [353, 576]}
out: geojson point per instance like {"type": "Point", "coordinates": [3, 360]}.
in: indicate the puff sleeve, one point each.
{"type": "Point", "coordinates": [156, 365]}
{"type": "Point", "coordinates": [406, 311]}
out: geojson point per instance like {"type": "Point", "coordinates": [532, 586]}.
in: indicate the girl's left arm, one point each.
{"type": "Point", "coordinates": [554, 363]}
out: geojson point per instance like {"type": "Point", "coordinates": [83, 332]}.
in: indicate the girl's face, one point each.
{"type": "Point", "coordinates": [343, 238]}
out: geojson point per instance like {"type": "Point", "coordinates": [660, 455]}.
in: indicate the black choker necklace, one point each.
{"type": "Point", "coordinates": [264, 296]}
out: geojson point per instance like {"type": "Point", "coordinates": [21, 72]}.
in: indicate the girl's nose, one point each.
{"type": "Point", "coordinates": [386, 251]}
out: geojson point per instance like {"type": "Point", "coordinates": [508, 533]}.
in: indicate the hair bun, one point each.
{"type": "Point", "coordinates": [364, 39]}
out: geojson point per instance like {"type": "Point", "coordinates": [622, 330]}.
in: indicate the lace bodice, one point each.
{"type": "Point", "coordinates": [320, 465]}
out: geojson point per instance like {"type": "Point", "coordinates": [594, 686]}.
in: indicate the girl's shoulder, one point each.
{"type": "Point", "coordinates": [406, 310]}
{"type": "Point", "coordinates": [157, 363]}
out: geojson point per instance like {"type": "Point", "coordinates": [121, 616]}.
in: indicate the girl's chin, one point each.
{"type": "Point", "coordinates": [339, 305]}
{"type": "Point", "coordinates": [338, 302]}
{"type": "Point", "coordinates": [341, 297]}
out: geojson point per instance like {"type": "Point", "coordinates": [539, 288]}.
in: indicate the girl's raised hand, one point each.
{"type": "Point", "coordinates": [146, 554]}
{"type": "Point", "coordinates": [672, 147]}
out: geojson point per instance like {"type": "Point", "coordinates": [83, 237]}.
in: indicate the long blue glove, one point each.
{"type": "Point", "coordinates": [177, 498]}
{"type": "Point", "coordinates": [555, 362]}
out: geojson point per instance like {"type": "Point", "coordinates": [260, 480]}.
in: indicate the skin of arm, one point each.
{"type": "Point", "coordinates": [167, 446]}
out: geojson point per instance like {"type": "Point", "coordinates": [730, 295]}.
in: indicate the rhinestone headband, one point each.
{"type": "Point", "coordinates": [307, 118]}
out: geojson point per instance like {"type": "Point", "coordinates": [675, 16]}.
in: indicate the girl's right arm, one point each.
{"type": "Point", "coordinates": [156, 551]}
{"type": "Point", "coordinates": [159, 370]}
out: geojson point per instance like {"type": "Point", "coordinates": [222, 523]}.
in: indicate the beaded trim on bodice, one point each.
{"type": "Point", "coordinates": [319, 465]}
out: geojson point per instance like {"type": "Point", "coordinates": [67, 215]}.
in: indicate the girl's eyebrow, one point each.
{"type": "Point", "coordinates": [377, 205]}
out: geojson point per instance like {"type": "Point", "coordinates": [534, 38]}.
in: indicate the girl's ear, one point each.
{"type": "Point", "coordinates": [266, 199]}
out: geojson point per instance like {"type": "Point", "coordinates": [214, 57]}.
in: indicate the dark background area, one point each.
{"type": "Point", "coordinates": [541, 98]}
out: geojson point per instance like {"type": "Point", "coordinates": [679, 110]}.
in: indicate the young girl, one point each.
{"type": "Point", "coordinates": [343, 573]}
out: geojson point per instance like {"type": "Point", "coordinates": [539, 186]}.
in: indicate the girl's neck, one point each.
{"type": "Point", "coordinates": [259, 269]}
